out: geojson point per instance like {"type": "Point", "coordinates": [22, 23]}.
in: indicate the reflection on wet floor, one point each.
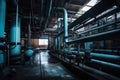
{"type": "Point", "coordinates": [53, 69]}
{"type": "Point", "coordinates": [44, 68]}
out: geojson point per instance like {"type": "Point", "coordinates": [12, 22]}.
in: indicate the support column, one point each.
{"type": "Point", "coordinates": [15, 53]}
{"type": "Point", "coordinates": [2, 29]}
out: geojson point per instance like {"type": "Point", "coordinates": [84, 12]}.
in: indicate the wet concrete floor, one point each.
{"type": "Point", "coordinates": [44, 67]}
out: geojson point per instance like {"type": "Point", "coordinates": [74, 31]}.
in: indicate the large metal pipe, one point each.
{"type": "Point", "coordinates": [2, 27]}
{"type": "Point", "coordinates": [59, 37]}
{"type": "Point", "coordinates": [65, 17]}
{"type": "Point", "coordinates": [15, 39]}
{"type": "Point", "coordinates": [107, 64]}
{"type": "Point", "coordinates": [103, 57]}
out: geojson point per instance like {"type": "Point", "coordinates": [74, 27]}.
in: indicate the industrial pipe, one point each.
{"type": "Point", "coordinates": [107, 64]}
{"type": "Point", "coordinates": [15, 39]}
{"type": "Point", "coordinates": [59, 37]}
{"type": "Point", "coordinates": [104, 57]}
{"type": "Point", "coordinates": [65, 22]}
{"type": "Point", "coordinates": [2, 27]}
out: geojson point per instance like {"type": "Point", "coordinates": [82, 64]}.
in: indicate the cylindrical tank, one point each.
{"type": "Point", "coordinates": [29, 52]}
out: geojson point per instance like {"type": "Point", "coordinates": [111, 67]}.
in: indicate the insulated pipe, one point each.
{"type": "Point", "coordinates": [2, 27]}
{"type": "Point", "coordinates": [15, 39]}
{"type": "Point", "coordinates": [107, 64]}
{"type": "Point", "coordinates": [104, 57]}
{"type": "Point", "coordinates": [65, 22]}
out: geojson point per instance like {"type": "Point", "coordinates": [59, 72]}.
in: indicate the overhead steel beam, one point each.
{"type": "Point", "coordinates": [48, 12]}
{"type": "Point", "coordinates": [99, 36]}
{"type": "Point", "coordinates": [107, 14]}
{"type": "Point", "coordinates": [94, 11]}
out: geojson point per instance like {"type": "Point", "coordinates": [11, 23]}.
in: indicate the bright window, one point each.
{"type": "Point", "coordinates": [43, 41]}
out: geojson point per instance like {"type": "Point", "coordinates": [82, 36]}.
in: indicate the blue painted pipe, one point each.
{"type": "Point", "coordinates": [65, 17]}
{"type": "Point", "coordinates": [103, 57]}
{"type": "Point", "coordinates": [15, 35]}
{"type": "Point", "coordinates": [2, 26]}
{"type": "Point", "coordinates": [107, 64]}
{"type": "Point", "coordinates": [15, 47]}
{"type": "Point", "coordinates": [2, 17]}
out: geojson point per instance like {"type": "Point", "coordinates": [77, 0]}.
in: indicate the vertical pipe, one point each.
{"type": "Point", "coordinates": [2, 27]}
{"type": "Point", "coordinates": [15, 39]}
{"type": "Point", "coordinates": [2, 17]}
{"type": "Point", "coordinates": [59, 37]}
{"type": "Point", "coordinates": [65, 23]}
{"type": "Point", "coordinates": [56, 44]}
{"type": "Point", "coordinates": [78, 48]}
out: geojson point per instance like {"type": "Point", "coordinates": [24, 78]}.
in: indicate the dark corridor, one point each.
{"type": "Point", "coordinates": [43, 67]}
{"type": "Point", "coordinates": [59, 39]}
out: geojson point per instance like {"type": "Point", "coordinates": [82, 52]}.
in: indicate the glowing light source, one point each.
{"type": "Point", "coordinates": [88, 6]}
{"type": "Point", "coordinates": [43, 41]}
